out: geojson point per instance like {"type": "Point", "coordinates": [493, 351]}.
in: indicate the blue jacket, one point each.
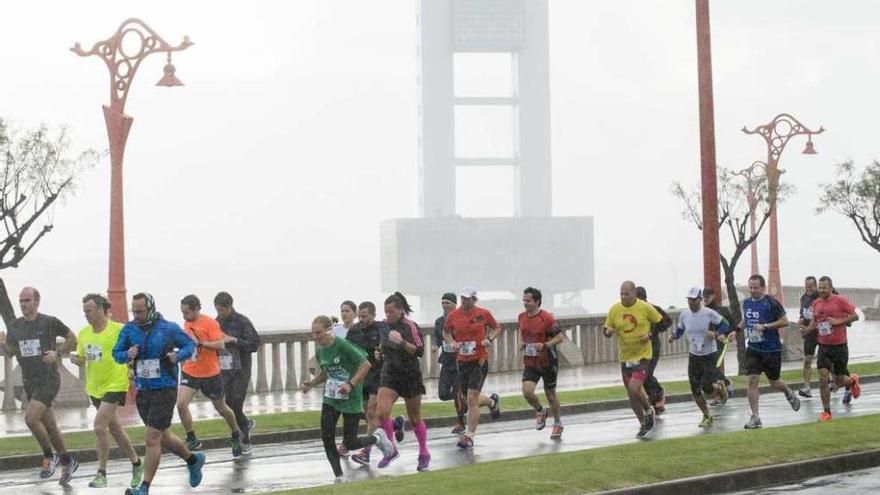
{"type": "Point", "coordinates": [155, 343]}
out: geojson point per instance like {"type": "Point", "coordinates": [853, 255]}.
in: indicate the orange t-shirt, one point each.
{"type": "Point", "coordinates": [470, 329]}
{"type": "Point", "coordinates": [206, 363]}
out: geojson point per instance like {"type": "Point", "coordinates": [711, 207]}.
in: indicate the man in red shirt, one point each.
{"type": "Point", "coordinates": [831, 314]}
{"type": "Point", "coordinates": [538, 336]}
{"type": "Point", "coordinates": [470, 331]}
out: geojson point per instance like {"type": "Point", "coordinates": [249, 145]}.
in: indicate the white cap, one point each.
{"type": "Point", "coordinates": [468, 292]}
{"type": "Point", "coordinates": [695, 293]}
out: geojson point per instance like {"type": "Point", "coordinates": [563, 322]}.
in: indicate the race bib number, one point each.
{"type": "Point", "coordinates": [825, 329]}
{"type": "Point", "coordinates": [808, 313]}
{"type": "Point", "coordinates": [755, 336]}
{"type": "Point", "coordinates": [30, 348]}
{"type": "Point", "coordinates": [530, 350]}
{"type": "Point", "coordinates": [697, 343]}
{"type": "Point", "coordinates": [94, 352]}
{"type": "Point", "coordinates": [468, 348]}
{"type": "Point", "coordinates": [631, 364]}
{"type": "Point", "coordinates": [225, 360]}
{"type": "Point", "coordinates": [331, 389]}
{"type": "Point", "coordinates": [148, 368]}
{"type": "Point", "coordinates": [447, 347]}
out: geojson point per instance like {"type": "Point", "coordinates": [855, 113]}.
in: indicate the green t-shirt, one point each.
{"type": "Point", "coordinates": [340, 362]}
{"type": "Point", "coordinates": [103, 374]}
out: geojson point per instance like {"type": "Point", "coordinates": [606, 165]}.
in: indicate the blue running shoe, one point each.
{"type": "Point", "coordinates": [399, 422]}
{"type": "Point", "coordinates": [195, 471]}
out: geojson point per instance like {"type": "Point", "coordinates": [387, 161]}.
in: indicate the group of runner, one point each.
{"type": "Point", "coordinates": [365, 366]}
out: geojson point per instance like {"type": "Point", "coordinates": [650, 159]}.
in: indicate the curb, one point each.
{"type": "Point", "coordinates": [758, 477]}
{"type": "Point", "coordinates": [24, 461]}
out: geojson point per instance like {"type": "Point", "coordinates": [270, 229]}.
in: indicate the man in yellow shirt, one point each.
{"type": "Point", "coordinates": [631, 320]}
{"type": "Point", "coordinates": [106, 385]}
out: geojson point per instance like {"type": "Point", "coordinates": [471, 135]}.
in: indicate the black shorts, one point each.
{"type": "Point", "coordinates": [43, 389]}
{"type": "Point", "coordinates": [371, 384]}
{"type": "Point", "coordinates": [211, 387]}
{"type": "Point", "coordinates": [769, 363]}
{"type": "Point", "coordinates": [638, 370]}
{"type": "Point", "coordinates": [117, 398]}
{"type": "Point", "coordinates": [407, 384]}
{"type": "Point", "coordinates": [547, 374]}
{"type": "Point", "coordinates": [810, 344]}
{"type": "Point", "coordinates": [447, 383]}
{"type": "Point", "coordinates": [471, 375]}
{"type": "Point", "coordinates": [702, 373]}
{"type": "Point", "coordinates": [156, 407]}
{"type": "Point", "coordinates": [834, 358]}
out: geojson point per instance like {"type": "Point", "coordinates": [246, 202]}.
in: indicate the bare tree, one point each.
{"type": "Point", "coordinates": [38, 173]}
{"type": "Point", "coordinates": [857, 198]}
{"type": "Point", "coordinates": [735, 212]}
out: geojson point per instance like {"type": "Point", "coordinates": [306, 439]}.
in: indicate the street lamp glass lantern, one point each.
{"type": "Point", "coordinates": [809, 150]}
{"type": "Point", "coordinates": [169, 79]}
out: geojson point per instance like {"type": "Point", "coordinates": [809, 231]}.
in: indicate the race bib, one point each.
{"type": "Point", "coordinates": [631, 364]}
{"type": "Point", "coordinates": [29, 348]}
{"type": "Point", "coordinates": [755, 336]}
{"type": "Point", "coordinates": [94, 352]}
{"type": "Point", "coordinates": [825, 329]}
{"type": "Point", "coordinates": [530, 350]}
{"type": "Point", "coordinates": [331, 389]}
{"type": "Point", "coordinates": [148, 368]}
{"type": "Point", "coordinates": [697, 343]}
{"type": "Point", "coordinates": [225, 360]}
{"type": "Point", "coordinates": [447, 347]}
{"type": "Point", "coordinates": [808, 313]}
{"type": "Point", "coordinates": [468, 348]}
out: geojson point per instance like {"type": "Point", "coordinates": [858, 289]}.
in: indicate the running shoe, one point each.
{"type": "Point", "coordinates": [194, 443]}
{"type": "Point", "coordinates": [399, 423]}
{"type": "Point", "coordinates": [383, 443]}
{"type": "Point", "coordinates": [722, 393]}
{"type": "Point", "coordinates": [342, 450]}
{"type": "Point", "coordinates": [246, 448]}
{"type": "Point", "coordinates": [729, 387]}
{"type": "Point", "coordinates": [361, 457]}
{"type": "Point", "coordinates": [237, 449]}
{"type": "Point", "coordinates": [466, 441]}
{"type": "Point", "coordinates": [855, 388]}
{"type": "Point", "coordinates": [716, 403]}
{"type": "Point", "coordinates": [847, 396]}
{"type": "Point", "coordinates": [495, 408]}
{"type": "Point", "coordinates": [794, 401]}
{"type": "Point", "coordinates": [424, 461]}
{"type": "Point", "coordinates": [556, 433]}
{"type": "Point", "coordinates": [541, 419]}
{"type": "Point", "coordinates": [707, 421]}
{"type": "Point", "coordinates": [251, 424]}
{"type": "Point", "coordinates": [68, 470]}
{"type": "Point", "coordinates": [458, 429]}
{"type": "Point", "coordinates": [649, 420]}
{"type": "Point", "coordinates": [49, 466]}
{"type": "Point", "coordinates": [387, 459]}
{"type": "Point", "coordinates": [805, 392]}
{"type": "Point", "coordinates": [642, 433]}
{"type": "Point", "coordinates": [141, 490]}
{"type": "Point", "coordinates": [754, 423]}
{"type": "Point", "coordinates": [195, 471]}
{"type": "Point", "coordinates": [339, 479]}
{"type": "Point", "coordinates": [99, 481]}
{"type": "Point", "coordinates": [825, 416]}
{"type": "Point", "coordinates": [137, 475]}
{"type": "Point", "coordinates": [832, 385]}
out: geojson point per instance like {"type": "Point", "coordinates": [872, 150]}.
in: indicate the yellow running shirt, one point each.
{"type": "Point", "coordinates": [631, 324]}
{"type": "Point", "coordinates": [103, 374]}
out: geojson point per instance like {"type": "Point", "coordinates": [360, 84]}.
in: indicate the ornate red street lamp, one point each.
{"type": "Point", "coordinates": [776, 134]}
{"type": "Point", "coordinates": [754, 175]}
{"type": "Point", "coordinates": [123, 53]}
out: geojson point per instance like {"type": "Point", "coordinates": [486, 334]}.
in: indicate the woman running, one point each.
{"type": "Point", "coordinates": [402, 346]}
{"type": "Point", "coordinates": [343, 368]}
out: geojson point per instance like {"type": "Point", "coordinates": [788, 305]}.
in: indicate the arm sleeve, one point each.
{"type": "Point", "coordinates": [679, 327]}
{"type": "Point", "coordinates": [665, 323]}
{"type": "Point", "coordinates": [653, 315]}
{"type": "Point", "coordinates": [250, 339]}
{"type": "Point", "coordinates": [439, 323]}
{"type": "Point", "coordinates": [120, 350]}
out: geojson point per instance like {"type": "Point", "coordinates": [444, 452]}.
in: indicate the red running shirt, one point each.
{"type": "Point", "coordinates": [835, 307]}
{"type": "Point", "coordinates": [470, 329]}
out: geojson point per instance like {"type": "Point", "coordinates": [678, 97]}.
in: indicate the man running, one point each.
{"type": "Point", "coordinates": [702, 327]}
{"type": "Point", "coordinates": [32, 340]}
{"type": "Point", "coordinates": [831, 314]}
{"type": "Point", "coordinates": [538, 337]}
{"type": "Point", "coordinates": [713, 302]}
{"type": "Point", "coordinates": [655, 391]}
{"type": "Point", "coordinates": [202, 373]}
{"type": "Point", "coordinates": [106, 385]}
{"type": "Point", "coordinates": [447, 383]}
{"type": "Point", "coordinates": [235, 362]}
{"type": "Point", "coordinates": [806, 316]}
{"type": "Point", "coordinates": [366, 334]}
{"type": "Point", "coordinates": [153, 346]}
{"type": "Point", "coordinates": [343, 368]}
{"type": "Point", "coordinates": [470, 330]}
{"type": "Point", "coordinates": [763, 316]}
{"type": "Point", "coordinates": [630, 320]}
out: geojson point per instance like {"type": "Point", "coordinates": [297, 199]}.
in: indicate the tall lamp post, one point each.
{"type": "Point", "coordinates": [776, 134]}
{"type": "Point", "coordinates": [123, 53]}
{"type": "Point", "coordinates": [754, 174]}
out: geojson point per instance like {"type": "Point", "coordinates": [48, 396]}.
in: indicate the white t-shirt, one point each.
{"type": "Point", "coordinates": [696, 326]}
{"type": "Point", "coordinates": [339, 330]}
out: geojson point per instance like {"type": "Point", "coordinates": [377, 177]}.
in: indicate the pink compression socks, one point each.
{"type": "Point", "coordinates": [421, 432]}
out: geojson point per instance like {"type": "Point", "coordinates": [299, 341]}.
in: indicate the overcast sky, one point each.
{"type": "Point", "coordinates": [268, 174]}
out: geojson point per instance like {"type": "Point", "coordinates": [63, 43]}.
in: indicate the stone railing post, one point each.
{"type": "Point", "coordinates": [262, 382]}
{"type": "Point", "coordinates": [8, 387]}
{"type": "Point", "coordinates": [303, 361]}
{"type": "Point", "coordinates": [276, 385]}
{"type": "Point", "coordinates": [290, 382]}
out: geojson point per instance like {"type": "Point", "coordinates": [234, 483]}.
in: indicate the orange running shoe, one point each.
{"type": "Point", "coordinates": [855, 388]}
{"type": "Point", "coordinates": [825, 416]}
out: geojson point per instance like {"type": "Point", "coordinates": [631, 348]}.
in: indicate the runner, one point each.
{"type": "Point", "coordinates": [106, 385]}
{"type": "Point", "coordinates": [235, 362]}
{"type": "Point", "coordinates": [831, 314]}
{"type": "Point", "coordinates": [538, 337]}
{"type": "Point", "coordinates": [347, 311]}
{"type": "Point", "coordinates": [702, 326]}
{"type": "Point", "coordinates": [402, 346]}
{"type": "Point", "coordinates": [713, 302]}
{"type": "Point", "coordinates": [153, 346]}
{"type": "Point", "coordinates": [344, 366]}
{"type": "Point", "coordinates": [655, 391]}
{"type": "Point", "coordinates": [763, 316]}
{"type": "Point", "coordinates": [470, 330]}
{"type": "Point", "coordinates": [202, 373]}
{"type": "Point", "coordinates": [630, 320]}
{"type": "Point", "coordinates": [806, 316]}
{"type": "Point", "coordinates": [32, 340]}
{"type": "Point", "coordinates": [447, 383]}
